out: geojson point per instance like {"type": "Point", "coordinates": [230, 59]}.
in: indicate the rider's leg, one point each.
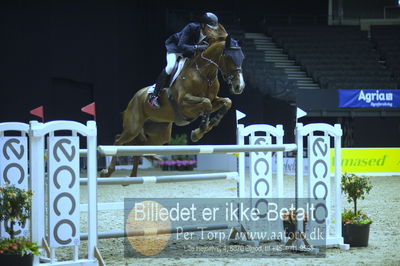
{"type": "Point", "coordinates": [162, 80]}
{"type": "Point", "coordinates": [160, 83]}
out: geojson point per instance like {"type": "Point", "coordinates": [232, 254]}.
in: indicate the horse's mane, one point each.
{"type": "Point", "coordinates": [211, 48]}
{"type": "Point", "coordinates": [214, 46]}
{"type": "Point", "coordinates": [214, 38]}
{"type": "Point", "coordinates": [217, 35]}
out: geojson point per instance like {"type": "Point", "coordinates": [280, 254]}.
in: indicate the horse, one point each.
{"type": "Point", "coordinates": [193, 94]}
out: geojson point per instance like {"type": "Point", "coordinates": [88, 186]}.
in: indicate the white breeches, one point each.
{"type": "Point", "coordinates": [171, 60]}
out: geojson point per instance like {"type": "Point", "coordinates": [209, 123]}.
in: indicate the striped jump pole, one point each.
{"type": "Point", "coordinates": [163, 179]}
{"type": "Point", "coordinates": [192, 149]}
{"type": "Point", "coordinates": [160, 231]}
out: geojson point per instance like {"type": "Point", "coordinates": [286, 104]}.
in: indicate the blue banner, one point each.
{"type": "Point", "coordinates": [369, 98]}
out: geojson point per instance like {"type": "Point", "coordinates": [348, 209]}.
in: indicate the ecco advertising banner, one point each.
{"type": "Point", "coordinates": [369, 98]}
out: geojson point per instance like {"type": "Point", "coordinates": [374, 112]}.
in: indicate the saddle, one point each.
{"type": "Point", "coordinates": [180, 63]}
{"type": "Point", "coordinates": [180, 120]}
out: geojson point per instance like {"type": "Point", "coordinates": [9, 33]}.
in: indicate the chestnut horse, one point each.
{"type": "Point", "coordinates": [193, 94]}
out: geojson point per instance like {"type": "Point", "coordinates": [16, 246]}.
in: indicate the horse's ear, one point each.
{"type": "Point", "coordinates": [228, 41]}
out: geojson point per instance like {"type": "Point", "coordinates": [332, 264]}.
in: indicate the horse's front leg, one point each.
{"type": "Point", "coordinates": [195, 106]}
{"type": "Point", "coordinates": [221, 107]}
{"type": "Point", "coordinates": [205, 121]}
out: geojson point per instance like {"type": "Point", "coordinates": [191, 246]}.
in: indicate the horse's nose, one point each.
{"type": "Point", "coordinates": [238, 88]}
{"type": "Point", "coordinates": [242, 85]}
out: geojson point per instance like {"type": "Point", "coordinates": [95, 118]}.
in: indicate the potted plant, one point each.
{"type": "Point", "coordinates": [15, 208]}
{"type": "Point", "coordinates": [355, 223]}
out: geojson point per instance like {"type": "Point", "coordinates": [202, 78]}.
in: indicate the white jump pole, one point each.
{"type": "Point", "coordinates": [193, 149]}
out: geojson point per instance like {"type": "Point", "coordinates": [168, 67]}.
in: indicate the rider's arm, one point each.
{"type": "Point", "coordinates": [185, 44]}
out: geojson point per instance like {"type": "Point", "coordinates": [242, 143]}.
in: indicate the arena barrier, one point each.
{"type": "Point", "coordinates": [63, 170]}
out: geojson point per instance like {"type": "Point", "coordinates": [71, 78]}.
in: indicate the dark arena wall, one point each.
{"type": "Point", "coordinates": [66, 54]}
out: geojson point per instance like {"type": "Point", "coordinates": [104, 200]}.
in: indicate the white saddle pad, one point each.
{"type": "Point", "coordinates": [178, 70]}
{"type": "Point", "coordinates": [151, 88]}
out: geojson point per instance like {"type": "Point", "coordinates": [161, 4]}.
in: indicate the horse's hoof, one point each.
{"type": "Point", "coordinates": [104, 173]}
{"type": "Point", "coordinates": [194, 137]}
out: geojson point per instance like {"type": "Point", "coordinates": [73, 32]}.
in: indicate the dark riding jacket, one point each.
{"type": "Point", "coordinates": [184, 41]}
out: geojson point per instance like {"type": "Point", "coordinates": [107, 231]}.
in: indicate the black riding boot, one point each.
{"type": "Point", "coordinates": [160, 83]}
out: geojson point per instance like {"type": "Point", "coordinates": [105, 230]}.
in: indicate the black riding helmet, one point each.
{"type": "Point", "coordinates": [210, 19]}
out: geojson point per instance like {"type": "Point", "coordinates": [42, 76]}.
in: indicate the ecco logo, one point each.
{"type": "Point", "coordinates": [319, 173]}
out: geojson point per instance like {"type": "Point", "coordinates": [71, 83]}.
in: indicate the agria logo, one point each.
{"type": "Point", "coordinates": [376, 98]}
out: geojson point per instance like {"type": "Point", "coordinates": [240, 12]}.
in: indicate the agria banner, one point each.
{"type": "Point", "coordinates": [369, 98]}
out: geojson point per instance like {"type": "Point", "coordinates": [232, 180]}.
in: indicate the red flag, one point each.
{"type": "Point", "coordinates": [39, 111]}
{"type": "Point", "coordinates": [90, 109]}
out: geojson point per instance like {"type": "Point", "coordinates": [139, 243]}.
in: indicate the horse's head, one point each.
{"type": "Point", "coordinates": [215, 35]}
{"type": "Point", "coordinates": [231, 65]}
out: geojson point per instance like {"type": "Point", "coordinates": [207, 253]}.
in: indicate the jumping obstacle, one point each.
{"type": "Point", "coordinates": [319, 182]}
{"type": "Point", "coordinates": [318, 137]}
{"type": "Point", "coordinates": [63, 170]}
{"type": "Point", "coordinates": [52, 225]}
{"type": "Point", "coordinates": [261, 138]}
{"type": "Point", "coordinates": [107, 150]}
{"type": "Point", "coordinates": [14, 164]}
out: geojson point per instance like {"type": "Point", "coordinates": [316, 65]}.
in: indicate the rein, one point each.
{"type": "Point", "coordinates": [227, 78]}
{"type": "Point", "coordinates": [210, 61]}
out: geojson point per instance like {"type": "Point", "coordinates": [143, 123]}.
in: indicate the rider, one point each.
{"type": "Point", "coordinates": [184, 43]}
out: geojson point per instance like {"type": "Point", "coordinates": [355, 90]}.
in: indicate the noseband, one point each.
{"type": "Point", "coordinates": [229, 77]}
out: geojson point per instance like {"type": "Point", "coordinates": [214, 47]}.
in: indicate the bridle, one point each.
{"type": "Point", "coordinates": [210, 61]}
{"type": "Point", "coordinates": [228, 77]}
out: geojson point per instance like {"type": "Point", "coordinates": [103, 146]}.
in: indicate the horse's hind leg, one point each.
{"type": "Point", "coordinates": [132, 128]}
{"type": "Point", "coordinates": [156, 134]}
{"type": "Point", "coordinates": [111, 168]}
{"type": "Point", "coordinates": [136, 161]}
{"type": "Point", "coordinates": [135, 164]}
